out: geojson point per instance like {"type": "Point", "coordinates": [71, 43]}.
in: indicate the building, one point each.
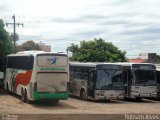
{"type": "Point", "coordinates": [138, 60]}
{"type": "Point", "coordinates": [43, 47]}
{"type": "Point", "coordinates": [145, 58]}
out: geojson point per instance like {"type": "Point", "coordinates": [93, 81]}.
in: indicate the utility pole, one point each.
{"type": "Point", "coordinates": [14, 24]}
{"type": "Point", "coordinates": [67, 50]}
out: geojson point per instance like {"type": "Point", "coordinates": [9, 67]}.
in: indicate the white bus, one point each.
{"type": "Point", "coordinates": [158, 80]}
{"type": "Point", "coordinates": [96, 81]}
{"type": "Point", "coordinates": [37, 75]}
{"type": "Point", "coordinates": [140, 81]}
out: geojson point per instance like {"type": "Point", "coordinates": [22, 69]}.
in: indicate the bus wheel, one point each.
{"type": "Point", "coordinates": [158, 96]}
{"type": "Point", "coordinates": [26, 98]}
{"type": "Point", "coordinates": [138, 99]}
{"type": "Point", "coordinates": [7, 90]}
{"type": "Point", "coordinates": [23, 96]}
{"type": "Point", "coordinates": [83, 95]}
{"type": "Point", "coordinates": [55, 101]}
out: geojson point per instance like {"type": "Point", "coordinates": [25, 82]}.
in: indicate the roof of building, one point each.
{"type": "Point", "coordinates": [137, 60]}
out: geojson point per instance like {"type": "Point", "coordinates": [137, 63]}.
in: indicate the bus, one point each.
{"type": "Point", "coordinates": [37, 75]}
{"type": "Point", "coordinates": [158, 80]}
{"type": "Point", "coordinates": [96, 81]}
{"type": "Point", "coordinates": [140, 80]}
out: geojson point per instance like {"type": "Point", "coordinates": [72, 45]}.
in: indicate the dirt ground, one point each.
{"type": "Point", "coordinates": [75, 109]}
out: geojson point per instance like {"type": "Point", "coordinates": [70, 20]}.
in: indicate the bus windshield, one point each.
{"type": "Point", "coordinates": [145, 77]}
{"type": "Point", "coordinates": [109, 79]}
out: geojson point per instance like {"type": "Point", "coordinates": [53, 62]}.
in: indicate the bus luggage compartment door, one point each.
{"type": "Point", "coordinates": [52, 82]}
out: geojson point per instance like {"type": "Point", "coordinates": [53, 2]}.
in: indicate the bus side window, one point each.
{"type": "Point", "coordinates": [72, 72]}
{"type": "Point", "coordinates": [29, 63]}
{"type": "Point", "coordinates": [84, 73]}
{"type": "Point", "coordinates": [84, 76]}
{"type": "Point", "coordinates": [10, 62]}
{"type": "Point", "coordinates": [77, 73]}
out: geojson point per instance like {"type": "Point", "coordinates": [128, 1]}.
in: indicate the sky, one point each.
{"type": "Point", "coordinates": [131, 25]}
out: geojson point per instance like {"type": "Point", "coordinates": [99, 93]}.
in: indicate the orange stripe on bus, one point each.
{"type": "Point", "coordinates": [23, 79]}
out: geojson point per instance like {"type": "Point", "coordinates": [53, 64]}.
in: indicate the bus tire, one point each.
{"type": "Point", "coordinates": [158, 96]}
{"type": "Point", "coordinates": [55, 101]}
{"type": "Point", "coordinates": [83, 95]}
{"type": "Point", "coordinates": [26, 97]}
{"type": "Point", "coordinates": [138, 99]}
{"type": "Point", "coordinates": [23, 95]}
{"type": "Point", "coordinates": [126, 98]}
{"type": "Point", "coordinates": [7, 90]}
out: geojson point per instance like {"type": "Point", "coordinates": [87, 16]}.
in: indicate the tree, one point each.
{"type": "Point", "coordinates": [96, 50]}
{"type": "Point", "coordinates": [29, 45]}
{"type": "Point", "coordinates": [6, 46]}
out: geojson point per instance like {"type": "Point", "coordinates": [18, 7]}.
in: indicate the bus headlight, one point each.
{"type": "Point", "coordinates": [154, 93]}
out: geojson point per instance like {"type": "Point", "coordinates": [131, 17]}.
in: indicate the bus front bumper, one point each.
{"type": "Point", "coordinates": [109, 95]}
{"type": "Point", "coordinates": [144, 95]}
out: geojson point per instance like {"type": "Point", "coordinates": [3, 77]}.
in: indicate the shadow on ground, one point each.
{"type": "Point", "coordinates": [51, 105]}
{"type": "Point", "coordinates": [44, 104]}
{"type": "Point", "coordinates": [118, 101]}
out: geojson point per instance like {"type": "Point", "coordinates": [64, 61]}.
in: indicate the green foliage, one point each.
{"type": "Point", "coordinates": [6, 46]}
{"type": "Point", "coordinates": [96, 50]}
{"type": "Point", "coordinates": [29, 45]}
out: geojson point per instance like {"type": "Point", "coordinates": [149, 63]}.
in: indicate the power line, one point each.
{"type": "Point", "coordinates": [14, 24]}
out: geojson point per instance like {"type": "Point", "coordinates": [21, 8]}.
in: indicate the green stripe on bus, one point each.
{"type": "Point", "coordinates": [50, 96]}
{"type": "Point", "coordinates": [48, 69]}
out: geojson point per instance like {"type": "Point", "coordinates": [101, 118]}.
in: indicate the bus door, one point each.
{"type": "Point", "coordinates": [127, 82]}
{"type": "Point", "coordinates": [91, 83]}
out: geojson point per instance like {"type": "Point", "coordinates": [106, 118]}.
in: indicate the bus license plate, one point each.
{"type": "Point", "coordinates": [112, 97]}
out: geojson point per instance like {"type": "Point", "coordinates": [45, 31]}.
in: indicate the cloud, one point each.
{"type": "Point", "coordinates": [87, 33]}
{"type": "Point", "coordinates": [3, 6]}
{"type": "Point", "coordinates": [80, 19]}
{"type": "Point", "coordinates": [66, 20]}
{"type": "Point", "coordinates": [132, 25]}
{"type": "Point", "coordinates": [145, 31]}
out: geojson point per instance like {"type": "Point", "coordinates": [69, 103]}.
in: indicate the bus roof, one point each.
{"type": "Point", "coordinates": [146, 66]}
{"type": "Point", "coordinates": [113, 65]}
{"type": "Point", "coordinates": [91, 64]}
{"type": "Point", "coordinates": [82, 64]}
{"type": "Point", "coordinates": [130, 64]}
{"type": "Point", "coordinates": [28, 53]}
